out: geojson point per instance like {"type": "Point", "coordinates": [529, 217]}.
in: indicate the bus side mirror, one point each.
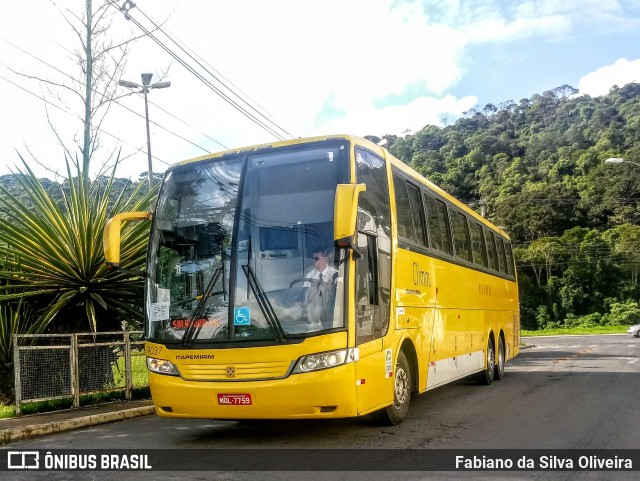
{"type": "Point", "coordinates": [111, 236]}
{"type": "Point", "coordinates": [345, 214]}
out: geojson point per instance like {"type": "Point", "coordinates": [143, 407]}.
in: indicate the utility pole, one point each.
{"type": "Point", "coordinates": [145, 88]}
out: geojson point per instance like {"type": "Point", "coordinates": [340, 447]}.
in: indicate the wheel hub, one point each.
{"type": "Point", "coordinates": [401, 387]}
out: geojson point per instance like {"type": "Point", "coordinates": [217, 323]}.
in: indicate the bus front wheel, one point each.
{"type": "Point", "coordinates": [397, 411]}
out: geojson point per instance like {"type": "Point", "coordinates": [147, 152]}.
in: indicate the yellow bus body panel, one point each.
{"type": "Point", "coordinates": [264, 373]}
{"type": "Point", "coordinates": [448, 311]}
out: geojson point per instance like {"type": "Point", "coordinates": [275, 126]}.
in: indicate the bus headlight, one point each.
{"type": "Point", "coordinates": [325, 360]}
{"type": "Point", "coordinates": [161, 366]}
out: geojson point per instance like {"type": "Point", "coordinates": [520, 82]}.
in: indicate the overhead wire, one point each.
{"type": "Point", "coordinates": [205, 81]}
{"type": "Point", "coordinates": [118, 103]}
{"type": "Point", "coordinates": [199, 60]}
{"type": "Point", "coordinates": [74, 115]}
{"type": "Point", "coordinates": [168, 113]}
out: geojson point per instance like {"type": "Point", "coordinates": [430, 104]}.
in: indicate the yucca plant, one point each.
{"type": "Point", "coordinates": [56, 260]}
{"type": "Point", "coordinates": [15, 318]}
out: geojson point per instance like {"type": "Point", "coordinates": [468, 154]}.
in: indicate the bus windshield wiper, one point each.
{"type": "Point", "coordinates": [264, 304]}
{"type": "Point", "coordinates": [192, 332]}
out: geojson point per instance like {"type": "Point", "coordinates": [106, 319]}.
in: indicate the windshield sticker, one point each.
{"type": "Point", "coordinates": [185, 323]}
{"type": "Point", "coordinates": [242, 316]}
{"type": "Point", "coordinates": [163, 295]}
{"type": "Point", "coordinates": [159, 311]}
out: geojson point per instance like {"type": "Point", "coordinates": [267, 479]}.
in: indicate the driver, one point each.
{"type": "Point", "coordinates": [321, 271]}
{"type": "Point", "coordinates": [319, 299]}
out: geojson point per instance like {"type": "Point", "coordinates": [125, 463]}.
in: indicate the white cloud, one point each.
{"type": "Point", "coordinates": [600, 81]}
{"type": "Point", "coordinates": [398, 119]}
{"type": "Point", "coordinates": [502, 21]}
{"type": "Point", "coordinates": [502, 30]}
{"type": "Point", "coordinates": [297, 59]}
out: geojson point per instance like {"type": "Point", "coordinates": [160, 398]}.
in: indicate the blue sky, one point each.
{"type": "Point", "coordinates": [517, 69]}
{"type": "Point", "coordinates": [352, 66]}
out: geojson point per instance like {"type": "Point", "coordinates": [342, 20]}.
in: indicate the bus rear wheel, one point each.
{"type": "Point", "coordinates": [486, 376]}
{"type": "Point", "coordinates": [499, 374]}
{"type": "Point", "coordinates": [397, 411]}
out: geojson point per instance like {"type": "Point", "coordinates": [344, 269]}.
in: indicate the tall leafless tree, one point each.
{"type": "Point", "coordinates": [101, 62]}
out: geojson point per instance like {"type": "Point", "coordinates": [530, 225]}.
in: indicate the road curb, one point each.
{"type": "Point", "coordinates": [26, 432]}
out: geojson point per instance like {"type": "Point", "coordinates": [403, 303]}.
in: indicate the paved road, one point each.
{"type": "Point", "coordinates": [572, 392]}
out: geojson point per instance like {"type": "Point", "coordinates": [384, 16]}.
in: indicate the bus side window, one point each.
{"type": "Point", "coordinates": [417, 214]}
{"type": "Point", "coordinates": [461, 236]}
{"type": "Point", "coordinates": [438, 225]}
{"type": "Point", "coordinates": [477, 243]}
{"type": "Point", "coordinates": [502, 264]}
{"type": "Point", "coordinates": [510, 264]}
{"type": "Point", "coordinates": [491, 250]}
{"type": "Point", "coordinates": [369, 318]}
{"type": "Point", "coordinates": [403, 211]}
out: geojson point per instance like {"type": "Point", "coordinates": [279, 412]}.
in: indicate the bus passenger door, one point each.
{"type": "Point", "coordinates": [374, 386]}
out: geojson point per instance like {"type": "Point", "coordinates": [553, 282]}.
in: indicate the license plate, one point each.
{"type": "Point", "coordinates": [234, 399]}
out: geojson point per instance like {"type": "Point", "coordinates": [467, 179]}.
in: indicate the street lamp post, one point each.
{"type": "Point", "coordinates": [145, 89]}
{"type": "Point", "coordinates": [620, 160]}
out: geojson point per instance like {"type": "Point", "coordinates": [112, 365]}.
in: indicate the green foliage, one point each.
{"type": "Point", "coordinates": [54, 258]}
{"type": "Point", "coordinates": [590, 320]}
{"type": "Point", "coordinates": [15, 318]}
{"type": "Point", "coordinates": [622, 314]}
{"type": "Point", "coordinates": [576, 331]}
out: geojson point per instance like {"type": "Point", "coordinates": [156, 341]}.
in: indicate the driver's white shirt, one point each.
{"type": "Point", "coordinates": [327, 273]}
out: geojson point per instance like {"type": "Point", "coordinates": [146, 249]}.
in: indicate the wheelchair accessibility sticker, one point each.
{"type": "Point", "coordinates": [242, 316]}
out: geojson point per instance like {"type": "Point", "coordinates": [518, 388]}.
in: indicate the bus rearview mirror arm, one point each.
{"type": "Point", "coordinates": [111, 236]}
{"type": "Point", "coordinates": [349, 244]}
{"type": "Point", "coordinates": [345, 214]}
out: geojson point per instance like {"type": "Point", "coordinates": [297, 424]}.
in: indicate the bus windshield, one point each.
{"type": "Point", "coordinates": [242, 248]}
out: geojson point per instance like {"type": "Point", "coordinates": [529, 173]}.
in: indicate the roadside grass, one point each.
{"type": "Point", "coordinates": [7, 411]}
{"type": "Point", "coordinates": [576, 331]}
{"type": "Point", "coordinates": [61, 404]}
{"type": "Point", "coordinates": [139, 377]}
{"type": "Point", "coordinates": [139, 374]}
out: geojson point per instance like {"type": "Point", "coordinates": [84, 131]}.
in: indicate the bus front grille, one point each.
{"type": "Point", "coordinates": [234, 372]}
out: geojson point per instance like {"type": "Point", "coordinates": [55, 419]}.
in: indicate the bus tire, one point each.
{"type": "Point", "coordinates": [486, 377]}
{"type": "Point", "coordinates": [395, 413]}
{"type": "Point", "coordinates": [499, 374]}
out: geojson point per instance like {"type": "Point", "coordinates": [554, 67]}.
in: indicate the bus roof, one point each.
{"type": "Point", "coordinates": [354, 140]}
{"type": "Point", "coordinates": [280, 143]}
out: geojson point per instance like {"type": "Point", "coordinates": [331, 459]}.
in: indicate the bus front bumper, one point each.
{"type": "Point", "coordinates": [329, 393]}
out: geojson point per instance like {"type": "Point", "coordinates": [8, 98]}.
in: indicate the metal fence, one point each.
{"type": "Point", "coordinates": [63, 366]}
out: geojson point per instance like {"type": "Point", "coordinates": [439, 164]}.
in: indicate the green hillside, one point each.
{"type": "Point", "coordinates": [536, 167]}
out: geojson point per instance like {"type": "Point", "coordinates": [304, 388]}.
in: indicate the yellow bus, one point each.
{"type": "Point", "coordinates": [317, 278]}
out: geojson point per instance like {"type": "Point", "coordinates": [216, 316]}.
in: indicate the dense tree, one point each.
{"type": "Point", "coordinates": [537, 168]}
